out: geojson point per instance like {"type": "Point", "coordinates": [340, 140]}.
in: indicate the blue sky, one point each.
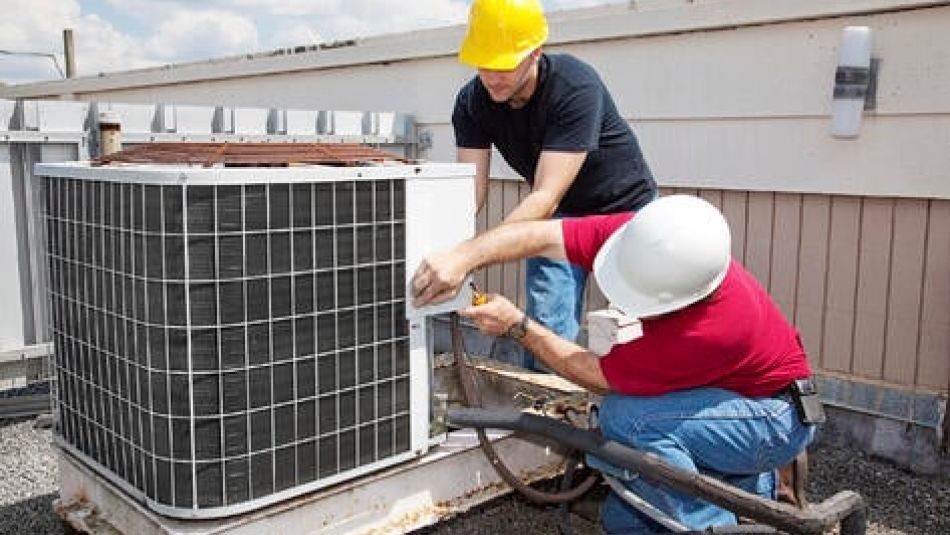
{"type": "Point", "coordinates": [113, 35]}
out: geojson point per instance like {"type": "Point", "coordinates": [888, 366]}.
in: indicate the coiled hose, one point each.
{"type": "Point", "coordinates": [473, 399]}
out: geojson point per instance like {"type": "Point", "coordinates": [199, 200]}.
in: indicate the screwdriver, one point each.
{"type": "Point", "coordinates": [478, 298]}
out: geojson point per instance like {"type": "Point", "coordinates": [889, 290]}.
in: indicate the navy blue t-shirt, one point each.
{"type": "Point", "coordinates": [570, 111]}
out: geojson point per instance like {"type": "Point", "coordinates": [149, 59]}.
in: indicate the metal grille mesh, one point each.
{"type": "Point", "coordinates": [218, 344]}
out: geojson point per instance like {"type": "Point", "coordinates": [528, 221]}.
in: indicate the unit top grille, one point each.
{"type": "Point", "coordinates": [253, 155]}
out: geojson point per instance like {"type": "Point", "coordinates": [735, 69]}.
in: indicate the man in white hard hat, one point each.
{"type": "Point", "coordinates": [553, 121]}
{"type": "Point", "coordinates": [718, 381]}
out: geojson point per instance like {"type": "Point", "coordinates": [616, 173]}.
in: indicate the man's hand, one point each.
{"type": "Point", "coordinates": [495, 317]}
{"type": "Point", "coordinates": [438, 279]}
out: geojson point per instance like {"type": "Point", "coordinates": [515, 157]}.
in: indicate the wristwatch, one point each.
{"type": "Point", "coordinates": [518, 329]}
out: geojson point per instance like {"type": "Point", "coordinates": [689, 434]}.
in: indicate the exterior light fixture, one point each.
{"type": "Point", "coordinates": [854, 82]}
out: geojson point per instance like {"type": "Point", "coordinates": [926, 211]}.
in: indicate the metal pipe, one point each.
{"type": "Point", "coordinates": [110, 133]}
{"type": "Point", "coordinates": [69, 53]}
{"type": "Point", "coordinates": [51, 57]}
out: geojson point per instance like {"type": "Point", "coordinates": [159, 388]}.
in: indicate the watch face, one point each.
{"type": "Point", "coordinates": [518, 330]}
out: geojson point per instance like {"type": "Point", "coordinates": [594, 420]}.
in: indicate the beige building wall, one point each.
{"type": "Point", "coordinates": [731, 99]}
{"type": "Point", "coordinates": [866, 280]}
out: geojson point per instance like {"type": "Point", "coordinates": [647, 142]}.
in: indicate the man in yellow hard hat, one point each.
{"type": "Point", "coordinates": [552, 119]}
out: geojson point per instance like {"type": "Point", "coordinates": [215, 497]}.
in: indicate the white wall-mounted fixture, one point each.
{"type": "Point", "coordinates": [853, 79]}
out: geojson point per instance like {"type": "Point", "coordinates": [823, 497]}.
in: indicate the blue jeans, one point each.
{"type": "Point", "coordinates": [709, 430]}
{"type": "Point", "coordinates": [555, 298]}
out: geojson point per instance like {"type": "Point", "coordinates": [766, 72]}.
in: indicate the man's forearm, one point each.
{"type": "Point", "coordinates": [516, 241]}
{"type": "Point", "coordinates": [481, 191]}
{"type": "Point", "coordinates": [567, 359]}
{"type": "Point", "coordinates": [537, 205]}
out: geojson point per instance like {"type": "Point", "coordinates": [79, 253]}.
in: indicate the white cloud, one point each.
{"type": "Point", "coordinates": [339, 19]}
{"type": "Point", "coordinates": [288, 7]}
{"type": "Point", "coordinates": [556, 5]}
{"type": "Point", "coordinates": [369, 17]}
{"type": "Point", "coordinates": [100, 47]}
{"type": "Point", "coordinates": [186, 34]}
{"type": "Point", "coordinates": [37, 25]}
{"type": "Point", "coordinates": [139, 33]}
{"type": "Point", "coordinates": [33, 26]}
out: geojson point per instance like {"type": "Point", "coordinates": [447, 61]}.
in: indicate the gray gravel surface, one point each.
{"type": "Point", "coordinates": [900, 502]}
{"type": "Point", "coordinates": [27, 479]}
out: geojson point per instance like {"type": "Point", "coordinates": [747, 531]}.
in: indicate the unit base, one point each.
{"type": "Point", "coordinates": [449, 480]}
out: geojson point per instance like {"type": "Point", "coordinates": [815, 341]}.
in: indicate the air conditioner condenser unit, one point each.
{"type": "Point", "coordinates": [230, 337]}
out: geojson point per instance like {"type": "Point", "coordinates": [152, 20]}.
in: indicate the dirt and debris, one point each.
{"type": "Point", "coordinates": [252, 154]}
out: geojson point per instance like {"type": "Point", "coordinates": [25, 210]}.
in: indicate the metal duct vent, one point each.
{"type": "Point", "coordinates": [221, 341]}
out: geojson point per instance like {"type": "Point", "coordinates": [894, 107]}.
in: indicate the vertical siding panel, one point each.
{"type": "Point", "coordinates": [785, 244]}
{"type": "Point", "coordinates": [714, 196]}
{"type": "Point", "coordinates": [734, 208]}
{"type": "Point", "coordinates": [842, 272]}
{"type": "Point", "coordinates": [903, 321]}
{"type": "Point", "coordinates": [509, 274]}
{"type": "Point", "coordinates": [871, 305]}
{"type": "Point", "coordinates": [481, 225]}
{"type": "Point", "coordinates": [523, 190]}
{"type": "Point", "coordinates": [934, 368]}
{"type": "Point", "coordinates": [758, 240]}
{"type": "Point", "coordinates": [812, 269]}
{"type": "Point", "coordinates": [496, 213]}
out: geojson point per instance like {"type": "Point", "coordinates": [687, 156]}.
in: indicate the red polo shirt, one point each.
{"type": "Point", "coordinates": [736, 338]}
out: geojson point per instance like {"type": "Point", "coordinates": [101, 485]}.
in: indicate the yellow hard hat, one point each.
{"type": "Point", "coordinates": [501, 33]}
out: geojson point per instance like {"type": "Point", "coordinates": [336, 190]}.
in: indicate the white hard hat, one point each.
{"type": "Point", "coordinates": [674, 252]}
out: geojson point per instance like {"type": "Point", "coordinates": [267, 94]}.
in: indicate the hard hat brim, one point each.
{"type": "Point", "coordinates": [622, 295]}
{"type": "Point", "coordinates": [468, 55]}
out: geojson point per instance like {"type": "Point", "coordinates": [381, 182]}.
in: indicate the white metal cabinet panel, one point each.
{"type": "Point", "coordinates": [11, 313]}
{"type": "Point", "coordinates": [193, 119]}
{"type": "Point", "coordinates": [7, 108]}
{"type": "Point", "coordinates": [134, 118]}
{"type": "Point", "coordinates": [54, 116]}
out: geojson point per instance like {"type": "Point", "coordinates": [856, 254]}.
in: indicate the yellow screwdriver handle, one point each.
{"type": "Point", "coordinates": [478, 298]}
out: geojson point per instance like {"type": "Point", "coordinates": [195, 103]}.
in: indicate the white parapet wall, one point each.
{"type": "Point", "coordinates": [731, 94]}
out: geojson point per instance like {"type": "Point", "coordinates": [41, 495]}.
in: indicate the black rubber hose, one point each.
{"type": "Point", "coordinates": [814, 520]}
{"type": "Point", "coordinates": [472, 399]}
{"type": "Point", "coordinates": [564, 526]}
